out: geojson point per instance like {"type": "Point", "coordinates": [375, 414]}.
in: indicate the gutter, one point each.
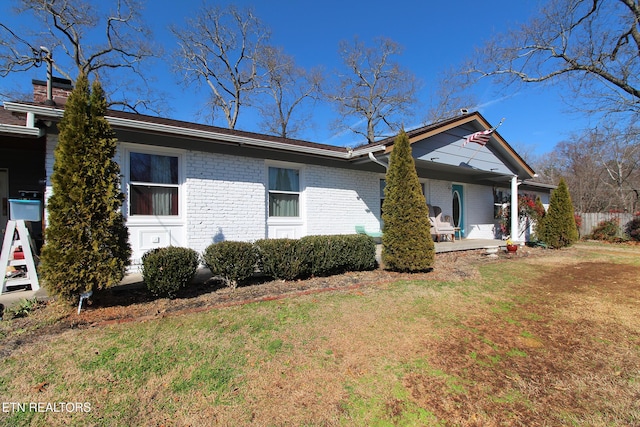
{"type": "Point", "coordinates": [196, 133]}
{"type": "Point", "coordinates": [29, 130]}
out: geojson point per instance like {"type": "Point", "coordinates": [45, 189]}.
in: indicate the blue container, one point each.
{"type": "Point", "coordinates": [28, 210]}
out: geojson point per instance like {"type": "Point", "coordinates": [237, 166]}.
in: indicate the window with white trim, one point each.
{"type": "Point", "coordinates": [284, 192]}
{"type": "Point", "coordinates": [153, 184]}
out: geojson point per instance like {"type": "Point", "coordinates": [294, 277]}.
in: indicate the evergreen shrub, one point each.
{"type": "Point", "coordinates": [632, 229]}
{"type": "Point", "coordinates": [335, 254]}
{"type": "Point", "coordinates": [607, 230]}
{"type": "Point", "coordinates": [407, 245]}
{"type": "Point", "coordinates": [86, 241]}
{"type": "Point", "coordinates": [558, 227]}
{"type": "Point", "coordinates": [234, 262]}
{"type": "Point", "coordinates": [323, 255]}
{"type": "Point", "coordinates": [283, 258]}
{"type": "Point", "coordinates": [167, 270]}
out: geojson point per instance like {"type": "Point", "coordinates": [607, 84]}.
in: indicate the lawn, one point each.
{"type": "Point", "coordinates": [547, 339]}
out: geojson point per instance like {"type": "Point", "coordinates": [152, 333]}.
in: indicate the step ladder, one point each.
{"type": "Point", "coordinates": [17, 236]}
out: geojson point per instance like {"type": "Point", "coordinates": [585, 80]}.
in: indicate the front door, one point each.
{"type": "Point", "coordinates": [4, 199]}
{"type": "Point", "coordinates": [458, 208]}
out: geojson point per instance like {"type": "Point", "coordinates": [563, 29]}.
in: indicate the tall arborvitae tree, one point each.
{"type": "Point", "coordinates": [86, 241]}
{"type": "Point", "coordinates": [558, 227]}
{"type": "Point", "coordinates": [406, 241]}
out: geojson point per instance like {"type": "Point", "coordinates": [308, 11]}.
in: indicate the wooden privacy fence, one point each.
{"type": "Point", "coordinates": [591, 220]}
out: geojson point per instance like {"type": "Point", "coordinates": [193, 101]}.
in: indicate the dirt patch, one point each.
{"type": "Point", "coordinates": [518, 359]}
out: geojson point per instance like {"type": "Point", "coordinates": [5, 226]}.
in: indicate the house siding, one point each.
{"type": "Point", "coordinates": [478, 205]}
{"type": "Point", "coordinates": [339, 199]}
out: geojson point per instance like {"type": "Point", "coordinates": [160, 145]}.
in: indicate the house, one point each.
{"type": "Point", "coordinates": [189, 184]}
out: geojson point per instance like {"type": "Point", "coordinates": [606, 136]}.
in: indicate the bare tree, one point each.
{"type": "Point", "coordinates": [222, 47]}
{"type": "Point", "coordinates": [620, 159]}
{"type": "Point", "coordinates": [287, 87]}
{"type": "Point", "coordinates": [592, 45]}
{"type": "Point", "coordinates": [72, 28]}
{"type": "Point", "coordinates": [450, 98]}
{"type": "Point", "coordinates": [375, 90]}
{"type": "Point", "coordinates": [601, 167]}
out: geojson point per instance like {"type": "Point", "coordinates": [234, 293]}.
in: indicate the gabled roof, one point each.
{"type": "Point", "coordinates": [430, 138]}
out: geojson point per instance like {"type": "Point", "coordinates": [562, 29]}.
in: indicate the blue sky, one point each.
{"type": "Point", "coordinates": [435, 35]}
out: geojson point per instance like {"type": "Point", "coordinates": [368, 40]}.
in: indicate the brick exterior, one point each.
{"type": "Point", "coordinates": [339, 199]}
{"type": "Point", "coordinates": [59, 92]}
{"type": "Point", "coordinates": [226, 199]}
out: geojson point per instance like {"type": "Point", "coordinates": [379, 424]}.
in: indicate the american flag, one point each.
{"type": "Point", "coordinates": [479, 137]}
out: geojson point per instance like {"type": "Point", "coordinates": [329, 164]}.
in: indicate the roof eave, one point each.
{"type": "Point", "coordinates": [22, 131]}
{"type": "Point", "coordinates": [120, 122]}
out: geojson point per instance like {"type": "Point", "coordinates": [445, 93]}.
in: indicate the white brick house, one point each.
{"type": "Point", "coordinates": [191, 185]}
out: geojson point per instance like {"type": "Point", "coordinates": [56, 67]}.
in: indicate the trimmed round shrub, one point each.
{"type": "Point", "coordinates": [232, 261]}
{"type": "Point", "coordinates": [607, 230]}
{"type": "Point", "coordinates": [285, 259]}
{"type": "Point", "coordinates": [632, 229]}
{"type": "Point", "coordinates": [167, 270]}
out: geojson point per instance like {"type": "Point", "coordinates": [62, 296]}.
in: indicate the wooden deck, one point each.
{"type": "Point", "coordinates": [467, 245]}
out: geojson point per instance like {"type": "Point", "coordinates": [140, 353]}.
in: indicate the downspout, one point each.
{"type": "Point", "coordinates": [515, 232]}
{"type": "Point", "coordinates": [373, 159]}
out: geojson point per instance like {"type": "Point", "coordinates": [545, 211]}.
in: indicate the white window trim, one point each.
{"type": "Point", "coordinates": [302, 213]}
{"type": "Point", "coordinates": [179, 219]}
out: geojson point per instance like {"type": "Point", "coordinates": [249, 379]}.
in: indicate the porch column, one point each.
{"type": "Point", "coordinates": [515, 232]}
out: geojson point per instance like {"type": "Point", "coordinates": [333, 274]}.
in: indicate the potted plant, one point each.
{"type": "Point", "coordinates": [511, 247]}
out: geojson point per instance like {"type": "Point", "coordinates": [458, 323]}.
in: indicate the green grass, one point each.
{"type": "Point", "coordinates": [373, 359]}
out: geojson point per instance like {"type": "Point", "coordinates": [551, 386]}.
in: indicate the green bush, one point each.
{"type": "Point", "coordinates": [233, 261]}
{"type": "Point", "coordinates": [632, 229]}
{"type": "Point", "coordinates": [316, 255]}
{"type": "Point", "coordinates": [283, 258]}
{"type": "Point", "coordinates": [606, 230]}
{"type": "Point", "coordinates": [558, 227]}
{"type": "Point", "coordinates": [167, 270]}
{"type": "Point", "coordinates": [334, 254]}
{"type": "Point", "coordinates": [86, 241]}
{"type": "Point", "coordinates": [407, 245]}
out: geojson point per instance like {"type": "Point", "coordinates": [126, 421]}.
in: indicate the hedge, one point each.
{"type": "Point", "coordinates": [324, 255]}
{"type": "Point", "coordinates": [282, 258]}
{"type": "Point", "coordinates": [167, 270]}
{"type": "Point", "coordinates": [234, 262]}
{"type": "Point", "coordinates": [336, 254]}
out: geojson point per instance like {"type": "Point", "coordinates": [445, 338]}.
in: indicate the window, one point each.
{"type": "Point", "coordinates": [154, 184]}
{"type": "Point", "coordinates": [284, 192]}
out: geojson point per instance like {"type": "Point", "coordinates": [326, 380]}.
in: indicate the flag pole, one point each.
{"type": "Point", "coordinates": [478, 149]}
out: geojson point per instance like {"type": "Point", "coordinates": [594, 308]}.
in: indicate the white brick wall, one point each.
{"type": "Point", "coordinates": [339, 199]}
{"type": "Point", "coordinates": [439, 194]}
{"type": "Point", "coordinates": [225, 198]}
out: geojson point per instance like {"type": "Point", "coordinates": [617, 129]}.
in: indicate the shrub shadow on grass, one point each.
{"type": "Point", "coordinates": [137, 293]}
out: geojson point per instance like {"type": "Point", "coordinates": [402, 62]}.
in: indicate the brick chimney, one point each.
{"type": "Point", "coordinates": [60, 90]}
